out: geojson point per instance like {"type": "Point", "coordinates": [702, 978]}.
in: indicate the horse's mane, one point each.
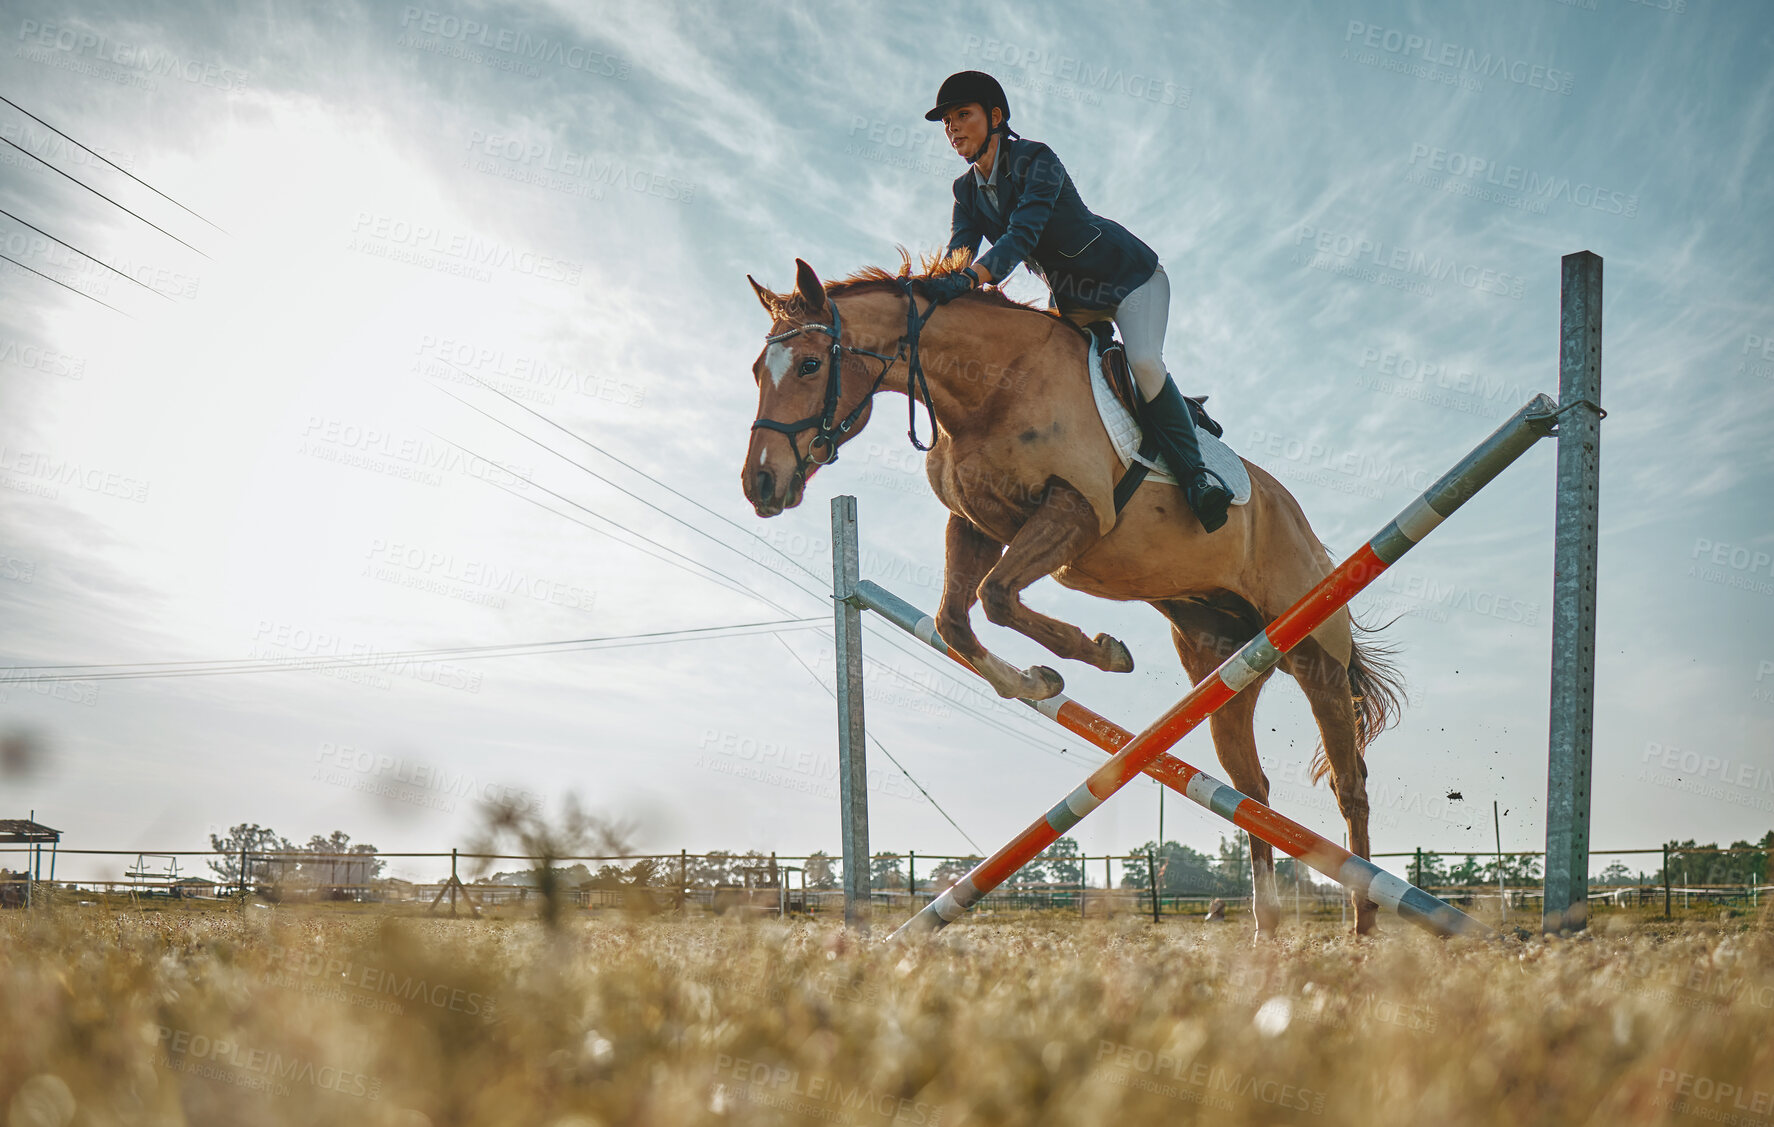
{"type": "Point", "coordinates": [876, 279]}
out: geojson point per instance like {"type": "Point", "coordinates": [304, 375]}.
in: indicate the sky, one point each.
{"type": "Point", "coordinates": [449, 310]}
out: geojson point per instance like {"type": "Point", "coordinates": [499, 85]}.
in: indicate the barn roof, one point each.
{"type": "Point", "coordinates": [14, 830]}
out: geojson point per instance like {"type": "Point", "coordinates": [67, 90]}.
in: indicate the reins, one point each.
{"type": "Point", "coordinates": [830, 427]}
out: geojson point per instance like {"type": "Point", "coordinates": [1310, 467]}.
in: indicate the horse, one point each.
{"type": "Point", "coordinates": [1023, 463]}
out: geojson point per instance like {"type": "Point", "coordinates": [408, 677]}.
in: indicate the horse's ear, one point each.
{"type": "Point", "coordinates": [807, 287]}
{"type": "Point", "coordinates": [771, 303]}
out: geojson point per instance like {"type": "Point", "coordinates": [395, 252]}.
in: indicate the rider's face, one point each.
{"type": "Point", "coordinates": [967, 128]}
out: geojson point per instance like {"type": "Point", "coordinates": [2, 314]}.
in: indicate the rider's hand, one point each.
{"type": "Point", "coordinates": [947, 287]}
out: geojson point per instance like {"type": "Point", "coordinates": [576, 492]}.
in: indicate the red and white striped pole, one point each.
{"type": "Point", "coordinates": [1358, 874]}
{"type": "Point", "coordinates": [1527, 426]}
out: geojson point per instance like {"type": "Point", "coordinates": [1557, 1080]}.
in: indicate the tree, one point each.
{"type": "Point", "coordinates": [885, 871]}
{"type": "Point", "coordinates": [821, 872]}
{"type": "Point", "coordinates": [1616, 873]}
{"type": "Point", "coordinates": [255, 841]}
{"type": "Point", "coordinates": [334, 863]}
{"type": "Point", "coordinates": [1058, 864]}
{"type": "Point", "coordinates": [1183, 871]}
{"type": "Point", "coordinates": [1233, 869]}
{"type": "Point", "coordinates": [948, 872]}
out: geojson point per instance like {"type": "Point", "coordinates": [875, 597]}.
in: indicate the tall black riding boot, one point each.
{"type": "Point", "coordinates": [1166, 418]}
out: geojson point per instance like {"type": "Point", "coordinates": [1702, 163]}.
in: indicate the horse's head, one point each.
{"type": "Point", "coordinates": [806, 409]}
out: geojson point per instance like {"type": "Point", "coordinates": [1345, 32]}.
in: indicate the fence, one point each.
{"type": "Point", "coordinates": [774, 884]}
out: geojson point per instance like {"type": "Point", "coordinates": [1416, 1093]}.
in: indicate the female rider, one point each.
{"type": "Point", "coordinates": [1017, 194]}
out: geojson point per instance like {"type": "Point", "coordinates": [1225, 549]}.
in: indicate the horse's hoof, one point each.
{"type": "Point", "coordinates": [1048, 681]}
{"type": "Point", "coordinates": [1118, 659]}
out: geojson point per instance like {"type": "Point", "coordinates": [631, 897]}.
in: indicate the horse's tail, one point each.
{"type": "Point", "coordinates": [1376, 688]}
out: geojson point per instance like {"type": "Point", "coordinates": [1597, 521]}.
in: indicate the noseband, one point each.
{"type": "Point", "coordinates": [830, 429]}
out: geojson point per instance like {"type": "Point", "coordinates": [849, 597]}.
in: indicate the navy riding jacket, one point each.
{"type": "Point", "coordinates": [1087, 261]}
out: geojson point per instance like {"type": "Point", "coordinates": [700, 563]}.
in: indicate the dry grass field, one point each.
{"type": "Point", "coordinates": [299, 1016]}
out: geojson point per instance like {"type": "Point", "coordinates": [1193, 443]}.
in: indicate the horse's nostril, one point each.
{"type": "Point", "coordinates": [764, 486]}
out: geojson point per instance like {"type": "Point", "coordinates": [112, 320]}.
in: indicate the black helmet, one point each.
{"type": "Point", "coordinates": [969, 86]}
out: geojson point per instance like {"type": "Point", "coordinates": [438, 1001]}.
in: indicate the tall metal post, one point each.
{"type": "Point", "coordinates": [853, 791]}
{"type": "Point", "coordinates": [1569, 765]}
{"type": "Point", "coordinates": [1502, 895]}
{"type": "Point", "coordinates": [1152, 871]}
{"type": "Point", "coordinates": [1666, 880]}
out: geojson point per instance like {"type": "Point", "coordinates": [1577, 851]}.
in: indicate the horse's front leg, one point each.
{"type": "Point", "coordinates": [970, 554]}
{"type": "Point", "coordinates": [1063, 528]}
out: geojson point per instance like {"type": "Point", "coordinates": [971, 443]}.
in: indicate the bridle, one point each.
{"type": "Point", "coordinates": [830, 428]}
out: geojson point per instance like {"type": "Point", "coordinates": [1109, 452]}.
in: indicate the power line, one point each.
{"type": "Point", "coordinates": [1056, 752]}
{"type": "Point", "coordinates": [635, 469]}
{"type": "Point", "coordinates": [83, 254]}
{"type": "Point", "coordinates": [882, 748]}
{"type": "Point", "coordinates": [917, 655]}
{"type": "Point", "coordinates": [64, 285]}
{"type": "Point", "coordinates": [713, 577]}
{"type": "Point", "coordinates": [102, 157]}
{"type": "Point", "coordinates": [101, 195]}
{"type": "Point", "coordinates": [593, 512]}
{"type": "Point", "coordinates": [586, 469]}
{"type": "Point", "coordinates": [123, 671]}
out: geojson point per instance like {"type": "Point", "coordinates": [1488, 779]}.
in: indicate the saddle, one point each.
{"type": "Point", "coordinates": [1118, 375]}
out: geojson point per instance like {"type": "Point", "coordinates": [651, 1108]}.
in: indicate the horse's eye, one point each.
{"type": "Point", "coordinates": [810, 365]}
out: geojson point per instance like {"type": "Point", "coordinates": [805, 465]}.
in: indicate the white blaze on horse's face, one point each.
{"type": "Point", "coordinates": [777, 359]}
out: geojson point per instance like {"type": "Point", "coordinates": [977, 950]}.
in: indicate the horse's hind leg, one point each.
{"type": "Point", "coordinates": [1063, 528]}
{"type": "Point", "coordinates": [1204, 638]}
{"type": "Point", "coordinates": [969, 554]}
{"type": "Point", "coordinates": [1325, 681]}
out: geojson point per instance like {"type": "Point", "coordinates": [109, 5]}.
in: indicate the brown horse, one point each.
{"type": "Point", "coordinates": [1024, 465]}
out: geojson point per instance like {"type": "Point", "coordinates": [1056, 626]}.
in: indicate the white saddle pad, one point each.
{"type": "Point", "coordinates": [1124, 433]}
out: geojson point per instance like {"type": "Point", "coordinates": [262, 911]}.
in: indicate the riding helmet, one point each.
{"type": "Point", "coordinates": [969, 86]}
